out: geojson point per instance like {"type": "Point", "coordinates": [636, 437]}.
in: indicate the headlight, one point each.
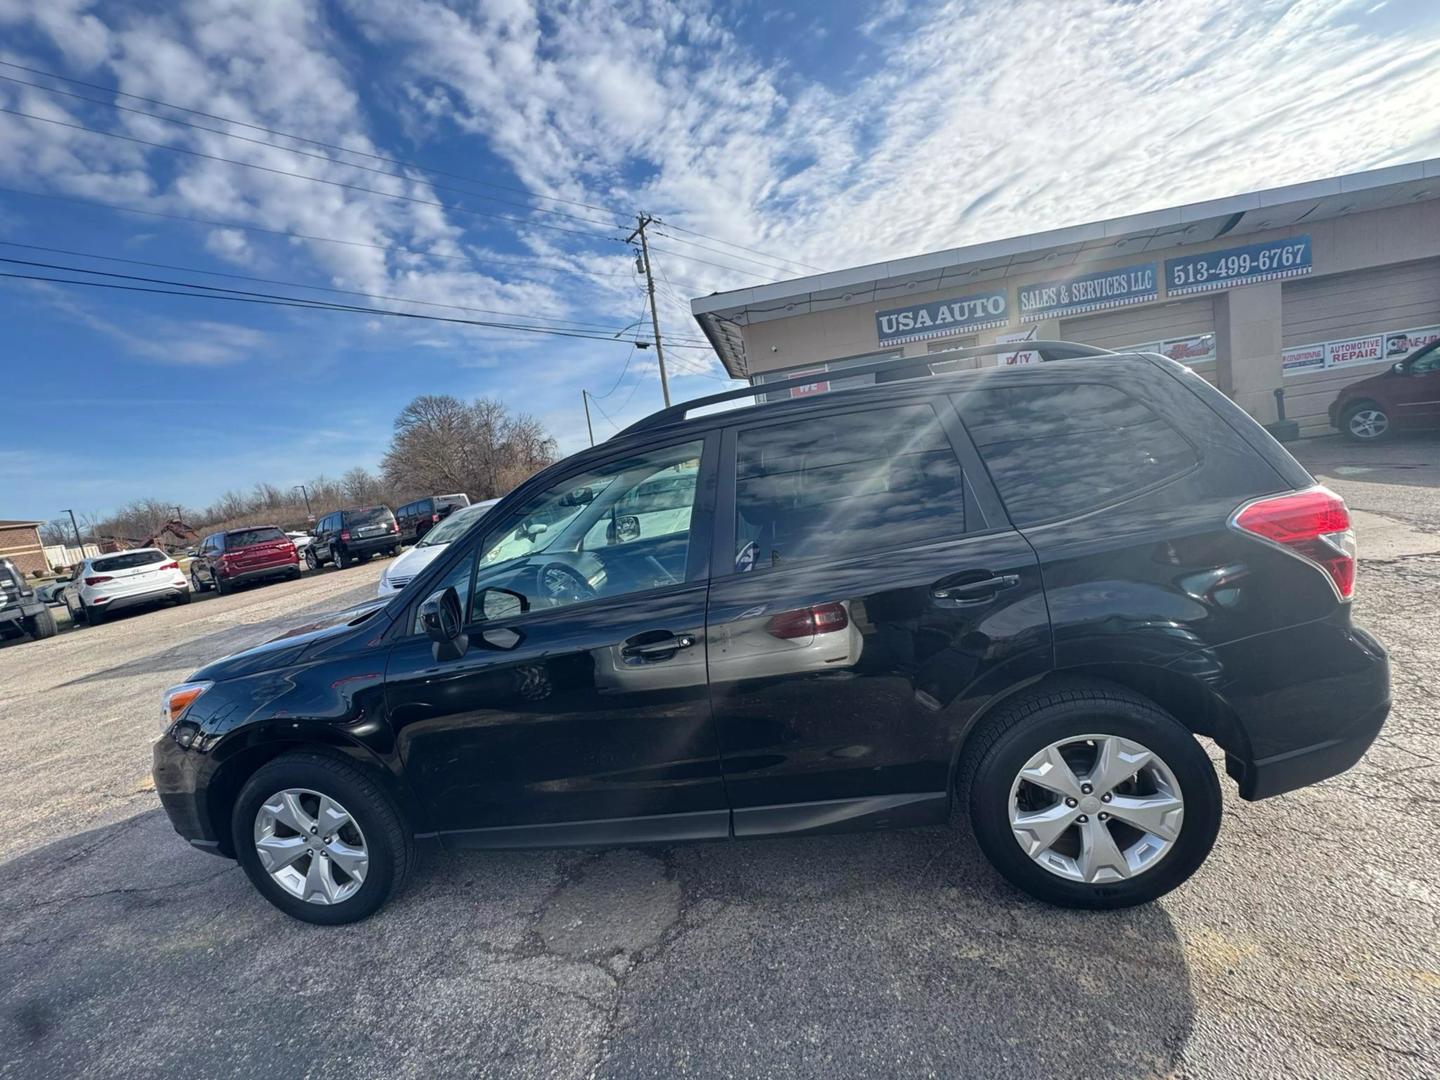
{"type": "Point", "coordinates": [179, 698]}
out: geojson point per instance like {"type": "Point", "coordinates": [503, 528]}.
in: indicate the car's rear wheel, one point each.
{"type": "Point", "coordinates": [319, 839]}
{"type": "Point", "coordinates": [1090, 796]}
{"type": "Point", "coordinates": [342, 561]}
{"type": "Point", "coordinates": [91, 616]}
{"type": "Point", "coordinates": [41, 625]}
{"type": "Point", "coordinates": [182, 597]}
{"type": "Point", "coordinates": [1367, 421]}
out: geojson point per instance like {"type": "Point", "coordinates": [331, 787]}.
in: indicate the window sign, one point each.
{"type": "Point", "coordinates": [1189, 350]}
{"type": "Point", "coordinates": [1305, 358]}
{"type": "Point", "coordinates": [1400, 345]}
{"type": "Point", "coordinates": [1021, 356]}
{"type": "Point", "coordinates": [1087, 292]}
{"type": "Point", "coordinates": [1224, 269]}
{"type": "Point", "coordinates": [942, 318]}
{"type": "Point", "coordinates": [1361, 350]}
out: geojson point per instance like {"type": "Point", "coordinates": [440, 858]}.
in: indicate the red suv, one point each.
{"type": "Point", "coordinates": [227, 559]}
{"type": "Point", "coordinates": [1405, 398]}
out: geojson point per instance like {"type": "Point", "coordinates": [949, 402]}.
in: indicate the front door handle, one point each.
{"type": "Point", "coordinates": [663, 649]}
{"type": "Point", "coordinates": [972, 593]}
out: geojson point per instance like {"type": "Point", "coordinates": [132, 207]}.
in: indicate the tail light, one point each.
{"type": "Point", "coordinates": [807, 622]}
{"type": "Point", "coordinates": [97, 580]}
{"type": "Point", "coordinates": [1313, 525]}
{"type": "Point", "coordinates": [170, 566]}
{"type": "Point", "coordinates": [345, 534]}
{"type": "Point", "coordinates": [434, 519]}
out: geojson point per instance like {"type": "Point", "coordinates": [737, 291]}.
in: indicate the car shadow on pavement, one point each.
{"type": "Point", "coordinates": [125, 952]}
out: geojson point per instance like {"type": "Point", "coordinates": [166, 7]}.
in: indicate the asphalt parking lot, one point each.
{"type": "Point", "coordinates": [1308, 946]}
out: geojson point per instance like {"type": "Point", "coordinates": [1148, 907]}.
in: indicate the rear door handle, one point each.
{"type": "Point", "coordinates": [657, 650]}
{"type": "Point", "coordinates": [971, 593]}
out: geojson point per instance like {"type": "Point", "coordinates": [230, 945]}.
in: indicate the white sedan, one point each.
{"type": "Point", "coordinates": [125, 579]}
{"type": "Point", "coordinates": [400, 572]}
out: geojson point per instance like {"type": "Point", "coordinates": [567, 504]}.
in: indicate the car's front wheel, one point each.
{"type": "Point", "coordinates": [195, 583]}
{"type": "Point", "coordinates": [319, 839]}
{"type": "Point", "coordinates": [1367, 421]}
{"type": "Point", "coordinates": [1090, 796]}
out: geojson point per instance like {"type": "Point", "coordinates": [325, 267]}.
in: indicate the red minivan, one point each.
{"type": "Point", "coordinates": [1405, 398]}
{"type": "Point", "coordinates": [227, 559]}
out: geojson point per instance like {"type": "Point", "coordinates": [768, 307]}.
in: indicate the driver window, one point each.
{"type": "Point", "coordinates": [619, 528]}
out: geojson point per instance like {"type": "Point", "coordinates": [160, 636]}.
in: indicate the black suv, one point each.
{"type": "Point", "coordinates": [350, 536]}
{"type": "Point", "coordinates": [419, 517]}
{"type": "Point", "coordinates": [1025, 590]}
{"type": "Point", "coordinates": [21, 611]}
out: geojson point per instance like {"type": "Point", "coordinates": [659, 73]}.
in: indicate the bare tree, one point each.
{"type": "Point", "coordinates": [443, 445]}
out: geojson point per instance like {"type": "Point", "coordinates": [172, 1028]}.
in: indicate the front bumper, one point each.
{"type": "Point", "coordinates": [175, 773]}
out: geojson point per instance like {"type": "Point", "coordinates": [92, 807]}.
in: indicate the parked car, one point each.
{"type": "Point", "coordinates": [301, 540]}
{"type": "Point", "coordinates": [350, 536]}
{"type": "Point", "coordinates": [398, 574]}
{"type": "Point", "coordinates": [419, 517]}
{"type": "Point", "coordinates": [134, 578]}
{"type": "Point", "coordinates": [1042, 584]}
{"type": "Point", "coordinates": [22, 611]}
{"type": "Point", "coordinates": [1404, 398]}
{"type": "Point", "coordinates": [242, 556]}
{"type": "Point", "coordinates": [50, 591]}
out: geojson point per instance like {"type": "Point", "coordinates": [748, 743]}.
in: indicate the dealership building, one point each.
{"type": "Point", "coordinates": [1307, 288]}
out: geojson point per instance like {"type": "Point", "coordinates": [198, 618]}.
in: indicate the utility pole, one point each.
{"type": "Point", "coordinates": [78, 542]}
{"type": "Point", "coordinates": [641, 221]}
{"type": "Point", "coordinates": [309, 514]}
{"type": "Point", "coordinates": [178, 515]}
{"type": "Point", "coordinates": [585, 400]}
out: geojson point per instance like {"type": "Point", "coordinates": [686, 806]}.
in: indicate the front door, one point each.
{"type": "Point", "coordinates": [578, 712]}
{"type": "Point", "coordinates": [872, 598]}
{"type": "Point", "coordinates": [1417, 393]}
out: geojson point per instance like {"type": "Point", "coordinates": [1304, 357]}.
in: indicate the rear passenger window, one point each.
{"type": "Point", "coordinates": [844, 484]}
{"type": "Point", "coordinates": [1059, 450]}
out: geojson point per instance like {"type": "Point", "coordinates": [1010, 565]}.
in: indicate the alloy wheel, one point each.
{"type": "Point", "coordinates": [1096, 808]}
{"type": "Point", "coordinates": [311, 846]}
{"type": "Point", "coordinates": [1368, 423]}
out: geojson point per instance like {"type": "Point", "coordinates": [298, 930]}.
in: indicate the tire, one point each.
{"type": "Point", "coordinates": [342, 561]}
{"type": "Point", "coordinates": [382, 831]}
{"type": "Point", "coordinates": [221, 587]}
{"type": "Point", "coordinates": [93, 616]}
{"type": "Point", "coordinates": [1007, 741]}
{"type": "Point", "coordinates": [196, 584]}
{"type": "Point", "coordinates": [182, 597]}
{"type": "Point", "coordinates": [363, 557]}
{"type": "Point", "coordinates": [41, 625]}
{"type": "Point", "coordinates": [293, 575]}
{"type": "Point", "coordinates": [310, 560]}
{"type": "Point", "coordinates": [1367, 422]}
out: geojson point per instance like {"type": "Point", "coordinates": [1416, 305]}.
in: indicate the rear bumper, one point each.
{"type": "Point", "coordinates": [149, 596]}
{"type": "Point", "coordinates": [371, 544]}
{"type": "Point", "coordinates": [1307, 702]}
{"type": "Point", "coordinates": [19, 612]}
{"type": "Point", "coordinates": [255, 572]}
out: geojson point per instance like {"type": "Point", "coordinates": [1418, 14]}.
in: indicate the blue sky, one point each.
{"type": "Point", "coordinates": [823, 134]}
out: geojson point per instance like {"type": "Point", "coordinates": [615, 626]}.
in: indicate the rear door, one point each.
{"type": "Point", "coordinates": [868, 595]}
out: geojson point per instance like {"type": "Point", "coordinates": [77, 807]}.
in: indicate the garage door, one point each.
{"type": "Point", "coordinates": [1343, 306]}
{"type": "Point", "coordinates": [1188, 325]}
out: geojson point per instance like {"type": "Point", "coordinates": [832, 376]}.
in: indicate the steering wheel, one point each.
{"type": "Point", "coordinates": [561, 583]}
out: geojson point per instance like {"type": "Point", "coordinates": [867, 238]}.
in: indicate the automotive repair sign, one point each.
{"type": "Point", "coordinates": [1088, 292]}
{"type": "Point", "coordinates": [942, 318]}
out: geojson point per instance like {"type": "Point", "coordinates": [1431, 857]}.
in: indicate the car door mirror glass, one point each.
{"type": "Point", "coordinates": [443, 621]}
{"type": "Point", "coordinates": [500, 604]}
{"type": "Point", "coordinates": [624, 528]}
{"type": "Point", "coordinates": [1398, 368]}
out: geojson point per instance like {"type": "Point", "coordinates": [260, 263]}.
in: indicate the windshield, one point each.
{"type": "Point", "coordinates": [129, 560]}
{"type": "Point", "coordinates": [246, 537]}
{"type": "Point", "coordinates": [454, 525]}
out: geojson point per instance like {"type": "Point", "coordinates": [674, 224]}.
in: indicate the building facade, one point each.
{"type": "Point", "coordinates": [1304, 288]}
{"type": "Point", "coordinates": [20, 543]}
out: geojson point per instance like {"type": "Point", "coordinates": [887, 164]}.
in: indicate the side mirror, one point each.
{"type": "Point", "coordinates": [624, 528]}
{"type": "Point", "coordinates": [496, 603]}
{"type": "Point", "coordinates": [1397, 368]}
{"type": "Point", "coordinates": [443, 619]}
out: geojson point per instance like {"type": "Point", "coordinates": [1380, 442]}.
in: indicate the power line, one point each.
{"type": "Point", "coordinates": [309, 236]}
{"type": "Point", "coordinates": [717, 251]}
{"type": "Point", "coordinates": [271, 300]}
{"type": "Point", "coordinates": [731, 243]}
{"type": "Point", "coordinates": [302, 285]}
{"type": "Point", "coordinates": [305, 176]}
{"type": "Point", "coordinates": [302, 138]}
{"type": "Point", "coordinates": [303, 153]}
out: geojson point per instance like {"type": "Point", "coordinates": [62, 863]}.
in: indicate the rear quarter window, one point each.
{"type": "Point", "coordinates": [1057, 450]}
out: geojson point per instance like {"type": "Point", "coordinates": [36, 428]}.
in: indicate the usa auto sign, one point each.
{"type": "Point", "coordinates": [941, 318]}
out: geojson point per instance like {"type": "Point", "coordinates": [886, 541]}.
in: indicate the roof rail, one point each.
{"type": "Point", "coordinates": [907, 367]}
